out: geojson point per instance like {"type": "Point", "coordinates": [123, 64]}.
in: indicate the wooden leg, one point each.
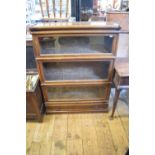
{"type": "Point", "coordinates": [117, 92]}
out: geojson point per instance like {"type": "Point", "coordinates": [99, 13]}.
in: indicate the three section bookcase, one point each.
{"type": "Point", "coordinates": [75, 64]}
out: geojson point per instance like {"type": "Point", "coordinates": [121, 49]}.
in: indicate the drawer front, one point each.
{"type": "Point", "coordinates": [86, 44]}
{"type": "Point", "coordinates": [120, 81]}
{"type": "Point", "coordinates": [124, 81]}
{"type": "Point", "coordinates": [95, 70]}
{"type": "Point", "coordinates": [72, 94]}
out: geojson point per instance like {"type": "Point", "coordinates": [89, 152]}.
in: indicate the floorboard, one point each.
{"type": "Point", "coordinates": [80, 134]}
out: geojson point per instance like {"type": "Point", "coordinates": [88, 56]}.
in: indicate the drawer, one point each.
{"type": "Point", "coordinates": [94, 70]}
{"type": "Point", "coordinates": [62, 94]}
{"type": "Point", "coordinates": [121, 81]}
{"type": "Point", "coordinates": [72, 44]}
{"type": "Point", "coordinates": [124, 81]}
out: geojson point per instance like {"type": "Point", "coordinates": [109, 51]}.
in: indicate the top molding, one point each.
{"type": "Point", "coordinates": [74, 26]}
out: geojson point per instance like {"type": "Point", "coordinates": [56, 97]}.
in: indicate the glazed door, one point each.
{"type": "Point", "coordinates": [75, 45]}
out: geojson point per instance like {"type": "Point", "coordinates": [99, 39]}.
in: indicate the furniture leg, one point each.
{"type": "Point", "coordinates": [117, 92]}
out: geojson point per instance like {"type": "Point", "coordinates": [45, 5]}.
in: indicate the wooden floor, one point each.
{"type": "Point", "coordinates": [80, 134]}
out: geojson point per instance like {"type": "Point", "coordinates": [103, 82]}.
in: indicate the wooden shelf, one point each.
{"type": "Point", "coordinates": [76, 83]}
{"type": "Point", "coordinates": [77, 57]}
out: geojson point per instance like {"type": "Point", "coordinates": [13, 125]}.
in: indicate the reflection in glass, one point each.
{"type": "Point", "coordinates": [58, 93]}
{"type": "Point", "coordinates": [76, 70]}
{"type": "Point", "coordinates": [80, 44]}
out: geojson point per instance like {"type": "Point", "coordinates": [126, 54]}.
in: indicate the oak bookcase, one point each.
{"type": "Point", "coordinates": [75, 63]}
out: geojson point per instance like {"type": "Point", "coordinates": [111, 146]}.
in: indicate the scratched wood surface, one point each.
{"type": "Point", "coordinates": [80, 134]}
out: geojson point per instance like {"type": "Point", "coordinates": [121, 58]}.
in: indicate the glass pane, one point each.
{"type": "Point", "coordinates": [76, 70]}
{"type": "Point", "coordinates": [30, 59]}
{"type": "Point", "coordinates": [58, 93]}
{"type": "Point", "coordinates": [71, 45]}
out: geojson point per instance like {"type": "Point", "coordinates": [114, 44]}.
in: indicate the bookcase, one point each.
{"type": "Point", "coordinates": [75, 64]}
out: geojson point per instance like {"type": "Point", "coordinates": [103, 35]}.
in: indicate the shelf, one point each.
{"type": "Point", "coordinates": [75, 83]}
{"type": "Point", "coordinates": [77, 57]}
{"type": "Point", "coordinates": [76, 101]}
